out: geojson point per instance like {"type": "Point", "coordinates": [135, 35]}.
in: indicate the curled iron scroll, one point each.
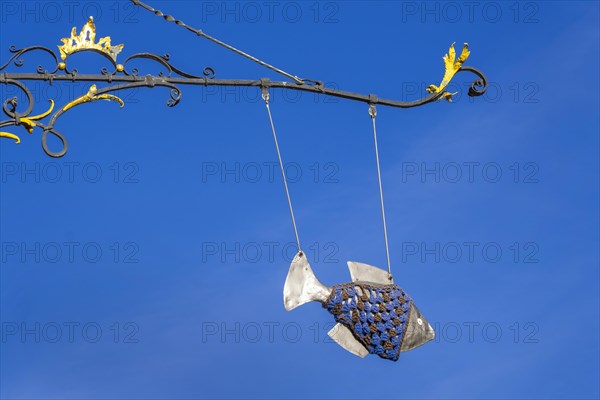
{"type": "Point", "coordinates": [123, 78]}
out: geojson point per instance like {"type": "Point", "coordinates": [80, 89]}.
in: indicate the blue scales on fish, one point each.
{"type": "Point", "coordinates": [373, 314]}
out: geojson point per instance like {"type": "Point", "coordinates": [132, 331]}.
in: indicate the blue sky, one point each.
{"type": "Point", "coordinates": [149, 262]}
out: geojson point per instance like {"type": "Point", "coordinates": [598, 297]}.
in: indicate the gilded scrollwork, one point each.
{"type": "Point", "coordinates": [452, 66]}
{"type": "Point", "coordinates": [84, 41]}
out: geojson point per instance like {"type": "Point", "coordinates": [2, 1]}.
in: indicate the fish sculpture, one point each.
{"type": "Point", "coordinates": [373, 314]}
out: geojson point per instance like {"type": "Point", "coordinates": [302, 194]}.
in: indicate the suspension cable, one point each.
{"type": "Point", "coordinates": [373, 114]}
{"type": "Point", "coordinates": [266, 97]}
{"type": "Point", "coordinates": [199, 32]}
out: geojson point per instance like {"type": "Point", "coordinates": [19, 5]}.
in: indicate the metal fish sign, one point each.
{"type": "Point", "coordinates": [373, 314]}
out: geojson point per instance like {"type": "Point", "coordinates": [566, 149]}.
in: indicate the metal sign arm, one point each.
{"type": "Point", "coordinates": [124, 77]}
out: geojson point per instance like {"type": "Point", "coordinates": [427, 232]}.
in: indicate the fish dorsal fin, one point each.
{"type": "Point", "coordinates": [360, 272]}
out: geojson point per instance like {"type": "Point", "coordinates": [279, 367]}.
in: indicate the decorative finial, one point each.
{"type": "Point", "coordinates": [86, 40]}
{"type": "Point", "coordinates": [452, 67]}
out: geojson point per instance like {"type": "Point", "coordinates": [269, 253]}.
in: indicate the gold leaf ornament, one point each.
{"type": "Point", "coordinates": [452, 66]}
{"type": "Point", "coordinates": [10, 136]}
{"type": "Point", "coordinates": [28, 123]}
{"type": "Point", "coordinates": [92, 96]}
{"type": "Point", "coordinates": [87, 40]}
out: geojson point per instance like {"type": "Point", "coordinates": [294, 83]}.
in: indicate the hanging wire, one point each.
{"type": "Point", "coordinates": [266, 97]}
{"type": "Point", "coordinates": [373, 114]}
{"type": "Point", "coordinates": [199, 32]}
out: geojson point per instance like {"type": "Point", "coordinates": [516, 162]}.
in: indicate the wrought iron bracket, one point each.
{"type": "Point", "coordinates": [122, 78]}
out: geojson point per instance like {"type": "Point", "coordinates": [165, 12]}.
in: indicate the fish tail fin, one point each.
{"type": "Point", "coordinates": [301, 285]}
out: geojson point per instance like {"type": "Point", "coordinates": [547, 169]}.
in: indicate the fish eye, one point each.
{"type": "Point", "coordinates": [419, 321]}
